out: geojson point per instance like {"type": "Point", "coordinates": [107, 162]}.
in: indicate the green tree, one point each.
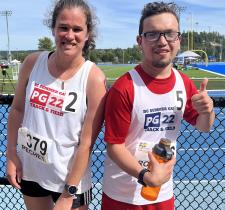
{"type": "Point", "coordinates": [45, 44]}
{"type": "Point", "coordinates": [93, 56]}
{"type": "Point", "coordinates": [22, 55]}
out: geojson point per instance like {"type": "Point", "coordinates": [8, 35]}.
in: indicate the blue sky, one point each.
{"type": "Point", "coordinates": [118, 21]}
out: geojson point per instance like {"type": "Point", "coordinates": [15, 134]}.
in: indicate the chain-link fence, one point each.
{"type": "Point", "coordinates": [198, 176]}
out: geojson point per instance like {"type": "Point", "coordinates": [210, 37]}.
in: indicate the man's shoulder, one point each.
{"type": "Point", "coordinates": [188, 82]}
{"type": "Point", "coordinates": [183, 75]}
{"type": "Point", "coordinates": [123, 82]}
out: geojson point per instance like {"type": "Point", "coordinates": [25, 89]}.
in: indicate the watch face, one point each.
{"type": "Point", "coordinates": [72, 190]}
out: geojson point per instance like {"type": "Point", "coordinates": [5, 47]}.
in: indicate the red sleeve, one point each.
{"type": "Point", "coordinates": [118, 110]}
{"type": "Point", "coordinates": [190, 114]}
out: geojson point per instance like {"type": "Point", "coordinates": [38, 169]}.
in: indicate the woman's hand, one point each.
{"type": "Point", "coordinates": [14, 170]}
{"type": "Point", "coordinates": [64, 202]}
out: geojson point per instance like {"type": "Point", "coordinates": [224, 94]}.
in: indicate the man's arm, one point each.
{"type": "Point", "coordinates": [159, 174]}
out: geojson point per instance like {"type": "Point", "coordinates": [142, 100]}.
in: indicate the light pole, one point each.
{"type": "Point", "coordinates": [190, 34]}
{"type": "Point", "coordinates": [196, 33]}
{"type": "Point", "coordinates": [7, 13]}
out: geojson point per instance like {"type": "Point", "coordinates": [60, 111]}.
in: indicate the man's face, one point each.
{"type": "Point", "coordinates": [159, 53]}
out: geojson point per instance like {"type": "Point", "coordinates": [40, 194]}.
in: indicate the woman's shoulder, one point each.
{"type": "Point", "coordinates": [29, 63]}
{"type": "Point", "coordinates": [31, 58]}
{"type": "Point", "coordinates": [96, 73]}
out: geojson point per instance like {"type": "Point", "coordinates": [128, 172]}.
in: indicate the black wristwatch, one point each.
{"type": "Point", "coordinates": [141, 176]}
{"type": "Point", "coordinates": [71, 189]}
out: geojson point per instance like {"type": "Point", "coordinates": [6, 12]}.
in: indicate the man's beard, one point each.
{"type": "Point", "coordinates": [161, 63]}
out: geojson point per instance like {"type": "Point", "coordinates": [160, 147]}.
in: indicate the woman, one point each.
{"type": "Point", "coordinates": [56, 115]}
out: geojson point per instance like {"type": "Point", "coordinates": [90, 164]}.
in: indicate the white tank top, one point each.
{"type": "Point", "coordinates": [53, 117]}
{"type": "Point", "coordinates": [154, 116]}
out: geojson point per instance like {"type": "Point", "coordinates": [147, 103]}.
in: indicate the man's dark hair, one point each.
{"type": "Point", "coordinates": [155, 8]}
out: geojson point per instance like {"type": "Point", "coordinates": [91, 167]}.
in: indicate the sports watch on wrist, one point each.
{"type": "Point", "coordinates": [141, 176]}
{"type": "Point", "coordinates": [71, 189]}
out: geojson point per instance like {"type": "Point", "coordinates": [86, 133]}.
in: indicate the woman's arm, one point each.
{"type": "Point", "coordinates": [96, 92]}
{"type": "Point", "coordinates": [14, 167]}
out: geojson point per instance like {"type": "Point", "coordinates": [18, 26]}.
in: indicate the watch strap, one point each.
{"type": "Point", "coordinates": [141, 176]}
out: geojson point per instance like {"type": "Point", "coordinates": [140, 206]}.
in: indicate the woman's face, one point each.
{"type": "Point", "coordinates": [70, 31]}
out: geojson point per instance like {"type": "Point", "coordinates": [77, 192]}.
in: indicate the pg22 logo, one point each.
{"type": "Point", "coordinates": [45, 98]}
{"type": "Point", "coordinates": [154, 121]}
{"type": "Point", "coordinates": [40, 96]}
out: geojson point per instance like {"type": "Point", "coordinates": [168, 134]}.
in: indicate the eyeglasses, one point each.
{"type": "Point", "coordinates": [155, 36]}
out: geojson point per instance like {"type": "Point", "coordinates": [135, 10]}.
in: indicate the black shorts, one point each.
{"type": "Point", "coordinates": [33, 189]}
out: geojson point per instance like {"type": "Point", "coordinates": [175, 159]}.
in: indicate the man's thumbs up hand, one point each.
{"type": "Point", "coordinates": [201, 101]}
{"type": "Point", "coordinates": [203, 85]}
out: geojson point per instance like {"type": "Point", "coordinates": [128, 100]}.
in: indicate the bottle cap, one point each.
{"type": "Point", "coordinates": [165, 142]}
{"type": "Point", "coordinates": [163, 149]}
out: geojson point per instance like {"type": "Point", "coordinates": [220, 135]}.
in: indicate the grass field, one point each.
{"type": "Point", "coordinates": [216, 82]}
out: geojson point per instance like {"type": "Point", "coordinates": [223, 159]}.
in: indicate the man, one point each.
{"type": "Point", "coordinates": [145, 105]}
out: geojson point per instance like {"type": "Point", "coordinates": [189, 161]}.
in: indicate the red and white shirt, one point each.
{"type": "Point", "coordinates": [140, 110]}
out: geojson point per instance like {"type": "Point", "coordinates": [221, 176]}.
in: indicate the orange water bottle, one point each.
{"type": "Point", "coordinates": [163, 153]}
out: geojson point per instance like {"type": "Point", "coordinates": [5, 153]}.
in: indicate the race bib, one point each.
{"type": "Point", "coordinates": [72, 101]}
{"type": "Point", "coordinates": [35, 145]}
{"type": "Point", "coordinates": [54, 101]}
